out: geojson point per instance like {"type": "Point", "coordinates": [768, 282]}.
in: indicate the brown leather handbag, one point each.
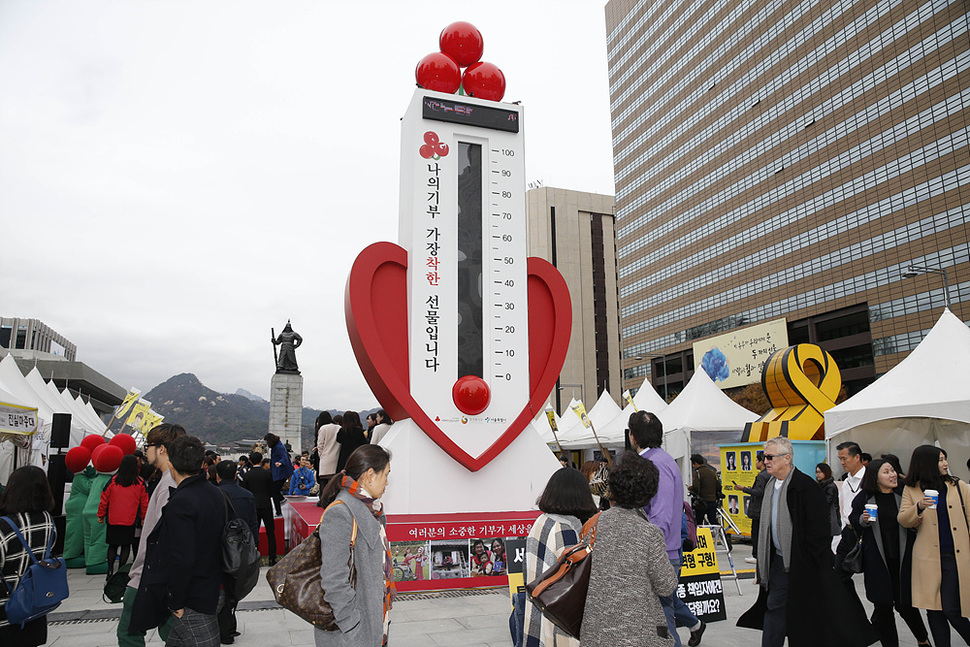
{"type": "Point", "coordinates": [295, 579]}
{"type": "Point", "coordinates": [560, 592]}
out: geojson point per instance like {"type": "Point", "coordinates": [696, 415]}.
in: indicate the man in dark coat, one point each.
{"type": "Point", "coordinates": [259, 481]}
{"type": "Point", "coordinates": [800, 595]}
{"type": "Point", "coordinates": [243, 507]}
{"type": "Point", "coordinates": [183, 562]}
{"type": "Point", "coordinates": [756, 492]}
{"type": "Point", "coordinates": [705, 488]}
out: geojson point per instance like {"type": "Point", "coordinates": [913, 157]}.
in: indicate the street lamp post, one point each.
{"type": "Point", "coordinates": [563, 386]}
{"type": "Point", "coordinates": [916, 270]}
{"type": "Point", "coordinates": [663, 359]}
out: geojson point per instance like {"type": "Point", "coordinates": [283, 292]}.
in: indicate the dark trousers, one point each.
{"type": "Point", "coordinates": [776, 620]}
{"type": "Point", "coordinates": [846, 544]}
{"type": "Point", "coordinates": [194, 629]}
{"type": "Point", "coordinates": [884, 620]}
{"type": "Point", "coordinates": [755, 530]}
{"type": "Point", "coordinates": [227, 621]}
{"type": "Point", "coordinates": [265, 516]}
{"type": "Point", "coordinates": [278, 496]}
{"type": "Point", "coordinates": [950, 593]}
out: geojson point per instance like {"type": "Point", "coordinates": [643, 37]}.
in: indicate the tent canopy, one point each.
{"type": "Point", "coordinates": [930, 383]}
{"type": "Point", "coordinates": [702, 406]}
{"type": "Point", "coordinates": [925, 399]}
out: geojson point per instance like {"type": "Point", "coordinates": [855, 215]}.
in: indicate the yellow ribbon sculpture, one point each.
{"type": "Point", "coordinates": [801, 382]}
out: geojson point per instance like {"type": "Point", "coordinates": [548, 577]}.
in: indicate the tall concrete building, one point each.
{"type": "Point", "coordinates": [34, 344]}
{"type": "Point", "coordinates": [575, 232]}
{"type": "Point", "coordinates": [792, 160]}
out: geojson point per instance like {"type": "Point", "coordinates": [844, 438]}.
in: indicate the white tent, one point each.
{"type": "Point", "coordinates": [647, 399]}
{"type": "Point", "coordinates": [9, 403]}
{"type": "Point", "coordinates": [604, 414]}
{"type": "Point", "coordinates": [701, 406]}
{"type": "Point", "coordinates": [541, 424]}
{"type": "Point", "coordinates": [13, 382]}
{"type": "Point", "coordinates": [924, 398]}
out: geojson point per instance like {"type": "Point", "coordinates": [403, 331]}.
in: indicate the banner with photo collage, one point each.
{"type": "Point", "coordinates": [738, 468]}
{"type": "Point", "coordinates": [455, 551]}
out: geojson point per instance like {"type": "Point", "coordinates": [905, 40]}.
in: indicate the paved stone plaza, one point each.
{"type": "Point", "coordinates": [475, 618]}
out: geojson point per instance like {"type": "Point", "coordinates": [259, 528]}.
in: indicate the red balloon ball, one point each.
{"type": "Point", "coordinates": [438, 72]}
{"type": "Point", "coordinates": [77, 458]}
{"type": "Point", "coordinates": [471, 394]}
{"type": "Point", "coordinates": [107, 458]}
{"type": "Point", "coordinates": [484, 81]}
{"type": "Point", "coordinates": [462, 42]}
{"type": "Point", "coordinates": [92, 441]}
{"type": "Point", "coordinates": [125, 442]}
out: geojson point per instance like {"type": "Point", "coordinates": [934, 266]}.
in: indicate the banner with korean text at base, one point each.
{"type": "Point", "coordinates": [17, 419]}
{"type": "Point", "coordinates": [700, 585]}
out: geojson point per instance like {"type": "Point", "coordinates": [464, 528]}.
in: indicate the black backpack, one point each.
{"type": "Point", "coordinates": [240, 555]}
{"type": "Point", "coordinates": [115, 586]}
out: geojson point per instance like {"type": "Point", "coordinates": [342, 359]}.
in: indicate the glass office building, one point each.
{"type": "Point", "coordinates": [788, 159]}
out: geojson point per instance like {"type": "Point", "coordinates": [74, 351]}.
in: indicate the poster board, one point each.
{"type": "Point", "coordinates": [737, 358]}
{"type": "Point", "coordinates": [738, 468]}
{"type": "Point", "coordinates": [700, 585]}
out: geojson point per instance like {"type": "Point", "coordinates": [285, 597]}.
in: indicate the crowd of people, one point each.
{"type": "Point", "coordinates": [166, 507]}
{"type": "Point", "coordinates": [908, 534]}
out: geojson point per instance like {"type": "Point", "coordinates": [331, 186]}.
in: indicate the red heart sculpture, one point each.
{"type": "Point", "coordinates": [375, 305]}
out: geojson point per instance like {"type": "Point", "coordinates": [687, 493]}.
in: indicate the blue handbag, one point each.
{"type": "Point", "coordinates": [41, 589]}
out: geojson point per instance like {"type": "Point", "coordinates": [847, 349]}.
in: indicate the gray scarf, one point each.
{"type": "Point", "coordinates": [765, 544]}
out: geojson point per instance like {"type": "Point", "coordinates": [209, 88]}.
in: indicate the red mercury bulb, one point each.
{"type": "Point", "coordinates": [471, 394]}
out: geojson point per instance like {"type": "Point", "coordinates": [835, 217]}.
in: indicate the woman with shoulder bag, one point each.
{"type": "Point", "coordinates": [27, 500]}
{"type": "Point", "coordinates": [630, 570]}
{"type": "Point", "coordinates": [887, 553]}
{"type": "Point", "coordinates": [566, 504]}
{"type": "Point", "coordinates": [935, 503]}
{"type": "Point", "coordinates": [360, 609]}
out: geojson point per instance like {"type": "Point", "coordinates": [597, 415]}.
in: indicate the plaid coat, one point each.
{"type": "Point", "coordinates": [37, 528]}
{"type": "Point", "coordinates": [550, 534]}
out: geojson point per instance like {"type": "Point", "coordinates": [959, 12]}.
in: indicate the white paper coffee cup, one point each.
{"type": "Point", "coordinates": [873, 511]}
{"type": "Point", "coordinates": [933, 494]}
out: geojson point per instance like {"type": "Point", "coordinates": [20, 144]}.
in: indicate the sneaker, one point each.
{"type": "Point", "coordinates": [751, 560]}
{"type": "Point", "coordinates": [695, 636]}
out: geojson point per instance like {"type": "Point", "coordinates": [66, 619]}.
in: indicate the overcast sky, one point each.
{"type": "Point", "coordinates": [178, 177]}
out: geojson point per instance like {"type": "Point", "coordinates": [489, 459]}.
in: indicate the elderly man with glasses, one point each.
{"type": "Point", "coordinates": [799, 597]}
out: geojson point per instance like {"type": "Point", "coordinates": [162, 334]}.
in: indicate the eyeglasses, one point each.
{"type": "Point", "coordinates": [771, 457]}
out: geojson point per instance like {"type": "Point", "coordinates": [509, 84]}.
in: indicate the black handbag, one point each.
{"type": "Point", "coordinates": [853, 559]}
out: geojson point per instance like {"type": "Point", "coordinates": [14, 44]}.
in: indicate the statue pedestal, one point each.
{"type": "Point", "coordinates": [286, 408]}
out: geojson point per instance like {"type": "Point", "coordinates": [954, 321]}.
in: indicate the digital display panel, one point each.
{"type": "Point", "coordinates": [456, 112]}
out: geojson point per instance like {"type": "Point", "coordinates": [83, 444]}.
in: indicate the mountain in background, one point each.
{"type": "Point", "coordinates": [220, 418]}
{"type": "Point", "coordinates": [249, 396]}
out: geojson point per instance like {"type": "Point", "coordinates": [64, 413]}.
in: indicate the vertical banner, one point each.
{"type": "Point", "coordinates": [700, 585]}
{"type": "Point", "coordinates": [580, 410]}
{"type": "Point", "coordinates": [629, 399]}
{"type": "Point", "coordinates": [738, 468]}
{"type": "Point", "coordinates": [515, 548]}
{"type": "Point", "coordinates": [551, 416]}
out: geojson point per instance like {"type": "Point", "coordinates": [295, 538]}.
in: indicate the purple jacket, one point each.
{"type": "Point", "coordinates": [667, 508]}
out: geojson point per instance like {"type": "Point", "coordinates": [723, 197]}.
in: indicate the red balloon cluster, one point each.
{"type": "Point", "coordinates": [105, 455]}
{"type": "Point", "coordinates": [461, 46]}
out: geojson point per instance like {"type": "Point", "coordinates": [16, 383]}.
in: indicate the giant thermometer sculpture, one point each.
{"type": "Point", "coordinates": [459, 334]}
